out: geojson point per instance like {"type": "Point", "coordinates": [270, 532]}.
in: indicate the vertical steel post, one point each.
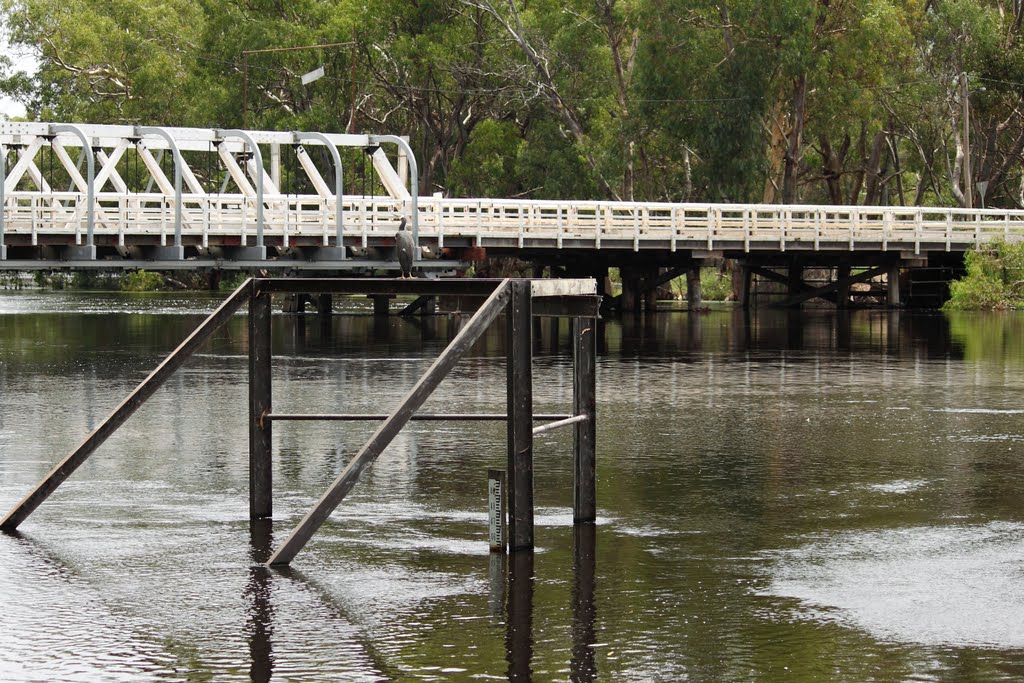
{"type": "Point", "coordinates": [414, 184]}
{"type": "Point", "coordinates": [257, 155]}
{"type": "Point", "coordinates": [339, 214]}
{"type": "Point", "coordinates": [179, 250]}
{"type": "Point", "coordinates": [519, 343]}
{"type": "Point", "coordinates": [584, 402]}
{"type": "Point", "coordinates": [90, 165]}
{"type": "Point", "coordinates": [260, 466]}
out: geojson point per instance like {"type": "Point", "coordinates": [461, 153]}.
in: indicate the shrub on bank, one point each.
{"type": "Point", "coordinates": [994, 279]}
{"type": "Point", "coordinates": [142, 281]}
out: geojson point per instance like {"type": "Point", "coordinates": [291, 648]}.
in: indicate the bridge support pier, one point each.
{"type": "Point", "coordinates": [843, 286]}
{"type": "Point", "coordinates": [381, 304]}
{"type": "Point", "coordinates": [796, 279]}
{"type": "Point", "coordinates": [631, 302]}
{"type": "Point", "coordinates": [742, 279]}
{"type": "Point", "coordinates": [892, 286]}
{"type": "Point", "coordinates": [693, 293]}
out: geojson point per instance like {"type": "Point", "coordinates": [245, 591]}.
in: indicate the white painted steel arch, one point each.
{"type": "Point", "coordinates": [36, 212]}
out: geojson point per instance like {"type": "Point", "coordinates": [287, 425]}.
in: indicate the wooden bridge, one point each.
{"type": "Point", "coordinates": [97, 196]}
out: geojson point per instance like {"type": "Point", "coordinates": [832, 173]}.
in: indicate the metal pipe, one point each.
{"type": "Point", "coordinates": [430, 417]}
{"type": "Point", "coordinates": [153, 130]}
{"type": "Point", "coordinates": [336, 157]}
{"type": "Point", "coordinates": [90, 165]}
{"type": "Point", "coordinates": [414, 182]}
{"type": "Point", "coordinates": [560, 423]}
{"type": "Point", "coordinates": [258, 156]}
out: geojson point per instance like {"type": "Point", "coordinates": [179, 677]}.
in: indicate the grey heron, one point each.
{"type": "Point", "coordinates": [406, 248]}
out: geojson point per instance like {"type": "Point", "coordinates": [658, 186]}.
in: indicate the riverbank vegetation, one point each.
{"type": "Point", "coordinates": [124, 281]}
{"type": "Point", "coordinates": [994, 279]}
{"type": "Point", "coordinates": [796, 101]}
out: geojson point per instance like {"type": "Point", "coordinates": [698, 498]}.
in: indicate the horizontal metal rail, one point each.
{"type": "Point", "coordinates": [426, 417]}
{"type": "Point", "coordinates": [558, 424]}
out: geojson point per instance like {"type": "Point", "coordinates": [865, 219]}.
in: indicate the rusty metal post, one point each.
{"type": "Point", "coordinates": [520, 416]}
{"type": "Point", "coordinates": [260, 465]}
{"type": "Point", "coordinates": [584, 402]}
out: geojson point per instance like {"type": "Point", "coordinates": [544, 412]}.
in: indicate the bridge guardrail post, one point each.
{"type": "Point", "coordinates": [3, 200]}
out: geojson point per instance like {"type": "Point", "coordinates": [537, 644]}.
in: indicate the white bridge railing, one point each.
{"type": "Point", "coordinates": [121, 186]}
{"type": "Point", "coordinates": [511, 223]}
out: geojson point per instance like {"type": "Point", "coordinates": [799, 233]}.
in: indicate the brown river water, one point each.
{"type": "Point", "coordinates": [799, 497]}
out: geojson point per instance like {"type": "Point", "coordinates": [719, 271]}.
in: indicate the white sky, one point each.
{"type": "Point", "coordinates": [23, 61]}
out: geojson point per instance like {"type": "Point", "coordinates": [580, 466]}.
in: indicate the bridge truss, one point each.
{"type": "Point", "coordinates": [181, 196]}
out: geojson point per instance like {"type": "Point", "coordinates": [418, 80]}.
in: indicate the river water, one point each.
{"type": "Point", "coordinates": [781, 497]}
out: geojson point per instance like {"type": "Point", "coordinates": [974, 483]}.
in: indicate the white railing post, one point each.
{"type": "Point", "coordinates": [3, 200]}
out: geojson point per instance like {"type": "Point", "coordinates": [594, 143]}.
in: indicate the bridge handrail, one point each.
{"type": "Point", "coordinates": [557, 221]}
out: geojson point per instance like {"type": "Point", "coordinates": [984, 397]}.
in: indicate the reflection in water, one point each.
{"type": "Point", "coordinates": [584, 611]}
{"type": "Point", "coordinates": [260, 619]}
{"type": "Point", "coordinates": [766, 479]}
{"type": "Point", "coordinates": [498, 578]}
{"type": "Point", "coordinates": [519, 622]}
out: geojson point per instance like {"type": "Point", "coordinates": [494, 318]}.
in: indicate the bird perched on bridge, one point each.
{"type": "Point", "coordinates": [406, 248]}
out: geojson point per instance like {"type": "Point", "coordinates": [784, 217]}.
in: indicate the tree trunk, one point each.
{"type": "Point", "coordinates": [776, 152]}
{"type": "Point", "coordinates": [789, 179]}
{"type": "Point", "coordinates": [873, 170]}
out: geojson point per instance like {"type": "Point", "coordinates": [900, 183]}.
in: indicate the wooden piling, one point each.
{"type": "Point", "coordinates": [843, 283]}
{"type": "Point", "coordinates": [893, 286]}
{"type": "Point", "coordinates": [584, 331]}
{"type": "Point", "coordinates": [260, 463]}
{"type": "Point", "coordinates": [324, 305]}
{"type": "Point", "coordinates": [746, 282]}
{"type": "Point", "coordinates": [693, 293]}
{"type": "Point", "coordinates": [520, 416]}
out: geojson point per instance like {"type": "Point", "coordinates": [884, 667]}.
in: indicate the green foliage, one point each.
{"type": "Point", "coordinates": [233, 281]}
{"type": "Point", "coordinates": [487, 167]}
{"type": "Point", "coordinates": [715, 285]}
{"type": "Point", "coordinates": [645, 99]}
{"type": "Point", "coordinates": [142, 281]}
{"type": "Point", "coordinates": [994, 280]}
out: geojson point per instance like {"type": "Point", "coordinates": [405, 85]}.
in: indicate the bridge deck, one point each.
{"type": "Point", "coordinates": [120, 195]}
